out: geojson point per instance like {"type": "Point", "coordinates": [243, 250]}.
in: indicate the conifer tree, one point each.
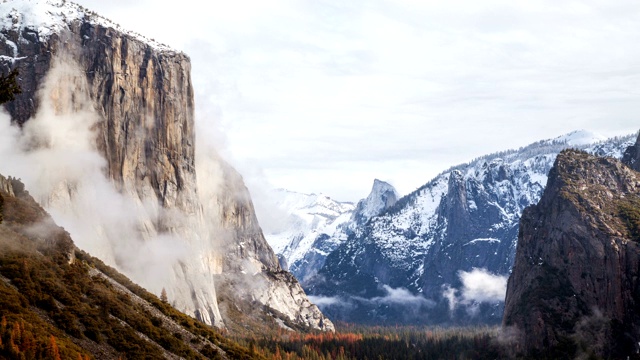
{"type": "Point", "coordinates": [9, 86]}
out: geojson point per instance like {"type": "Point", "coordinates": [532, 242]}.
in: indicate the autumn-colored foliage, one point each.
{"type": "Point", "coordinates": [55, 298]}
{"type": "Point", "coordinates": [361, 342]}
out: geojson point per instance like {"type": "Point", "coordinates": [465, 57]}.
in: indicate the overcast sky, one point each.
{"type": "Point", "coordinates": [326, 95]}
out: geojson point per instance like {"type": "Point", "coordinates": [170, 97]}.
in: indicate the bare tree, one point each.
{"type": "Point", "coordinates": [163, 296]}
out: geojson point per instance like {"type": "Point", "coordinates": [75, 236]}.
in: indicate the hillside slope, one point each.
{"type": "Point", "coordinates": [57, 299]}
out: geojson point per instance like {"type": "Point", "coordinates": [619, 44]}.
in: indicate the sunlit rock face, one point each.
{"type": "Point", "coordinates": [574, 285]}
{"type": "Point", "coordinates": [108, 141]}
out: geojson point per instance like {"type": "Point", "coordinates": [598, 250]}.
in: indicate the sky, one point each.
{"type": "Point", "coordinates": [324, 96]}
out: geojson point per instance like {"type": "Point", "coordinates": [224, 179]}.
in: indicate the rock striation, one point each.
{"type": "Point", "coordinates": [137, 102]}
{"type": "Point", "coordinates": [574, 286]}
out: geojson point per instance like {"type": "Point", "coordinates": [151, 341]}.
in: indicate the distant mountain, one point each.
{"type": "Point", "coordinates": [307, 216]}
{"type": "Point", "coordinates": [442, 254]}
{"type": "Point", "coordinates": [316, 225]}
{"type": "Point", "coordinates": [573, 292]}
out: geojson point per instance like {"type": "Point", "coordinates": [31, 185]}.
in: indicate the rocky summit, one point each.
{"type": "Point", "coordinates": [632, 155]}
{"type": "Point", "coordinates": [315, 225]}
{"type": "Point", "coordinates": [574, 286]}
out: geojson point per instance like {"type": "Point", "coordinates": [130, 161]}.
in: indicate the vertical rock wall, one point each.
{"type": "Point", "coordinates": [143, 96]}
{"type": "Point", "coordinates": [574, 286]}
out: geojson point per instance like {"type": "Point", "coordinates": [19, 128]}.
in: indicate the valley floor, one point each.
{"type": "Point", "coordinates": [376, 342]}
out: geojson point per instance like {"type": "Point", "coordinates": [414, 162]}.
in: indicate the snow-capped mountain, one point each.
{"type": "Point", "coordinates": [316, 225]}
{"type": "Point", "coordinates": [442, 253]}
{"type": "Point", "coordinates": [308, 216]}
{"type": "Point", "coordinates": [382, 196]}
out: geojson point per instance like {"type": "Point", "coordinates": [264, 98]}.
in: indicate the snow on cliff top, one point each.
{"type": "Point", "coordinates": [47, 17]}
{"type": "Point", "coordinates": [580, 137]}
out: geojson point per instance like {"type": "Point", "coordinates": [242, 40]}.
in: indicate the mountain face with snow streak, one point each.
{"type": "Point", "coordinates": [316, 225]}
{"type": "Point", "coordinates": [104, 132]}
{"type": "Point", "coordinates": [574, 285]}
{"type": "Point", "coordinates": [441, 254]}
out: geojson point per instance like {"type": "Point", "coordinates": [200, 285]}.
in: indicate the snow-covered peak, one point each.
{"type": "Point", "coordinates": [383, 195]}
{"type": "Point", "coordinates": [304, 214]}
{"type": "Point", "coordinates": [579, 137]}
{"type": "Point", "coordinates": [310, 203]}
{"type": "Point", "coordinates": [47, 17]}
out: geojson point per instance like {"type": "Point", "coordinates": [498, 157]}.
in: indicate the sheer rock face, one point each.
{"type": "Point", "coordinates": [382, 196]}
{"type": "Point", "coordinates": [574, 285]}
{"type": "Point", "coordinates": [632, 156]}
{"type": "Point", "coordinates": [144, 96]}
{"type": "Point", "coordinates": [142, 93]}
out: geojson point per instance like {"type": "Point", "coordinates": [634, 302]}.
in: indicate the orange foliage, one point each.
{"type": "Point", "coordinates": [53, 348]}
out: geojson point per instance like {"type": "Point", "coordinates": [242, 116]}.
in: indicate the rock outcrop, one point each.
{"type": "Point", "coordinates": [137, 105]}
{"type": "Point", "coordinates": [631, 156]}
{"type": "Point", "coordinates": [382, 196]}
{"type": "Point", "coordinates": [574, 288]}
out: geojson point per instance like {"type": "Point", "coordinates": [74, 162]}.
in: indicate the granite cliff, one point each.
{"type": "Point", "coordinates": [574, 286]}
{"type": "Point", "coordinates": [133, 101]}
{"type": "Point", "coordinates": [631, 156]}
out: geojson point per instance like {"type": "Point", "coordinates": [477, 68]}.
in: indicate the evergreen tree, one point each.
{"type": "Point", "coordinates": [9, 86]}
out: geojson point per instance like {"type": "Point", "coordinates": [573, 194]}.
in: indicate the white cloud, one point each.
{"type": "Point", "coordinates": [482, 286]}
{"type": "Point", "coordinates": [478, 286]}
{"type": "Point", "coordinates": [401, 296]}
{"type": "Point", "coordinates": [55, 155]}
{"type": "Point", "coordinates": [325, 300]}
{"type": "Point", "coordinates": [301, 87]}
{"type": "Point", "coordinates": [394, 296]}
{"type": "Point", "coordinates": [449, 293]}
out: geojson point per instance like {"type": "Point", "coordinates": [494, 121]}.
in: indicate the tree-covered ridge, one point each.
{"type": "Point", "coordinates": [52, 293]}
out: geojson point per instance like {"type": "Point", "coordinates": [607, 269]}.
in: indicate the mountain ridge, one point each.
{"type": "Point", "coordinates": [456, 230]}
